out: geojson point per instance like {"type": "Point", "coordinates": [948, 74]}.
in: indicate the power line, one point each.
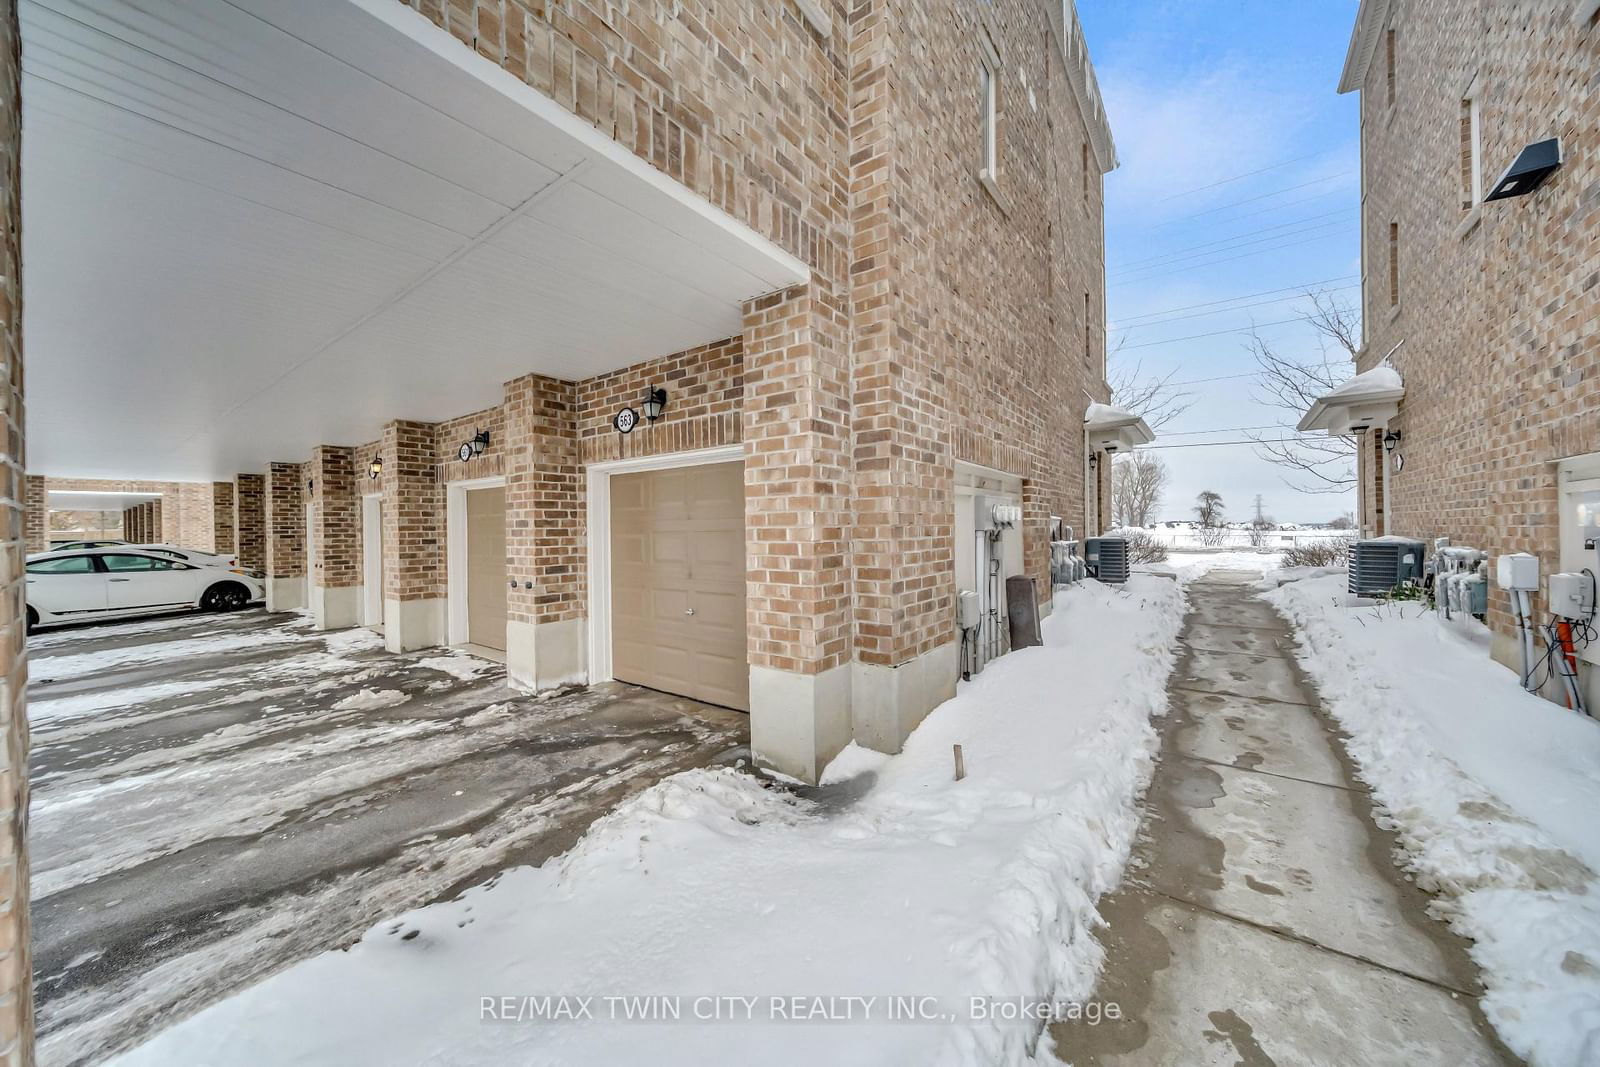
{"type": "Point", "coordinates": [1224, 429]}
{"type": "Point", "coordinates": [1224, 240]}
{"type": "Point", "coordinates": [1225, 444]}
{"type": "Point", "coordinates": [1237, 177]}
{"type": "Point", "coordinates": [1225, 259]}
{"type": "Point", "coordinates": [1265, 196]}
{"type": "Point", "coordinates": [1255, 374]}
{"type": "Point", "coordinates": [1226, 247]}
{"type": "Point", "coordinates": [1224, 311]}
{"type": "Point", "coordinates": [1243, 296]}
{"type": "Point", "coordinates": [1216, 333]}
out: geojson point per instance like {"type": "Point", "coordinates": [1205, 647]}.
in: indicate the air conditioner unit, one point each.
{"type": "Point", "coordinates": [1382, 564]}
{"type": "Point", "coordinates": [1106, 558]}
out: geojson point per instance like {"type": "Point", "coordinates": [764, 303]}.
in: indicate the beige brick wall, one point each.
{"type": "Point", "coordinates": [337, 528]}
{"type": "Point", "coordinates": [249, 520]}
{"type": "Point", "coordinates": [449, 436]}
{"type": "Point", "coordinates": [16, 970]}
{"type": "Point", "coordinates": [413, 512]}
{"type": "Point", "coordinates": [36, 533]}
{"type": "Point", "coordinates": [222, 517]}
{"type": "Point", "coordinates": [284, 521]}
{"type": "Point", "coordinates": [544, 513]}
{"type": "Point", "coordinates": [1500, 319]}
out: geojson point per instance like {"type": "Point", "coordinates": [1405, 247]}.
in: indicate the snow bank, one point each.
{"type": "Point", "coordinates": [1187, 566]}
{"type": "Point", "coordinates": [1493, 793]}
{"type": "Point", "coordinates": [899, 882]}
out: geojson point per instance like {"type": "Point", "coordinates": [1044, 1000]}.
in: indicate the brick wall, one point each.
{"type": "Point", "coordinates": [222, 517]}
{"type": "Point", "coordinates": [544, 513]}
{"type": "Point", "coordinates": [337, 528]}
{"type": "Point", "coordinates": [284, 521]}
{"type": "Point", "coordinates": [249, 520]}
{"type": "Point", "coordinates": [193, 524]}
{"type": "Point", "coordinates": [1501, 358]}
{"type": "Point", "coordinates": [16, 968]}
{"type": "Point", "coordinates": [451, 435]}
{"type": "Point", "coordinates": [36, 533]}
{"type": "Point", "coordinates": [413, 512]}
{"type": "Point", "coordinates": [705, 392]}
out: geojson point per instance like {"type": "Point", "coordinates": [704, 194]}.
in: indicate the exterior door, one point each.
{"type": "Point", "coordinates": [678, 582]}
{"type": "Point", "coordinates": [486, 567]}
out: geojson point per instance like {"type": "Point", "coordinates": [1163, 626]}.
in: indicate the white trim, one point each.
{"type": "Point", "coordinates": [372, 559]}
{"type": "Point", "coordinates": [1584, 11]}
{"type": "Point", "coordinates": [455, 521]}
{"type": "Point", "coordinates": [598, 523]}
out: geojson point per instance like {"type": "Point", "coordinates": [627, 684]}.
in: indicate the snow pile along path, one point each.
{"type": "Point", "coordinates": [1493, 793]}
{"type": "Point", "coordinates": [710, 887]}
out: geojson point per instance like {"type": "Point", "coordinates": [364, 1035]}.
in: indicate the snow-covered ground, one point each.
{"type": "Point", "coordinates": [1494, 794]}
{"type": "Point", "coordinates": [1187, 566]}
{"type": "Point", "coordinates": [711, 886]}
{"type": "Point", "coordinates": [1187, 538]}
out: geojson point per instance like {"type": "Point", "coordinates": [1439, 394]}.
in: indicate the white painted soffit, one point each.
{"type": "Point", "coordinates": [1371, 18]}
{"type": "Point", "coordinates": [255, 226]}
{"type": "Point", "coordinates": [83, 500]}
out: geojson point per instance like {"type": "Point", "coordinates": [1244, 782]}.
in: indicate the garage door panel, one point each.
{"type": "Point", "coordinates": [678, 585]}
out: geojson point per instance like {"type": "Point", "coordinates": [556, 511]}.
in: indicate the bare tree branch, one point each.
{"type": "Point", "coordinates": [1153, 397]}
{"type": "Point", "coordinates": [1138, 481]}
{"type": "Point", "coordinates": [1316, 464]}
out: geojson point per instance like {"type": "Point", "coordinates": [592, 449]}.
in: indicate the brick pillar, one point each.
{"type": "Point", "coordinates": [191, 525]}
{"type": "Point", "coordinates": [413, 538]}
{"type": "Point", "coordinates": [16, 967]}
{"type": "Point", "coordinates": [161, 523]}
{"type": "Point", "coordinates": [222, 517]}
{"type": "Point", "coordinates": [335, 578]}
{"type": "Point", "coordinates": [36, 514]}
{"type": "Point", "coordinates": [249, 520]}
{"type": "Point", "coordinates": [545, 623]}
{"type": "Point", "coordinates": [285, 533]}
{"type": "Point", "coordinates": [129, 522]}
{"type": "Point", "coordinates": [797, 508]}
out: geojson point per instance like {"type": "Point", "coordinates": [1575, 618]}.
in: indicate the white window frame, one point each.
{"type": "Point", "coordinates": [989, 108]}
{"type": "Point", "coordinates": [1469, 97]}
{"type": "Point", "coordinates": [597, 515]}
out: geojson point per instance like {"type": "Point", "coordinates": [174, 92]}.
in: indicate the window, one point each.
{"type": "Point", "coordinates": [1388, 53]}
{"type": "Point", "coordinates": [64, 565]}
{"type": "Point", "coordinates": [1086, 172]}
{"type": "Point", "coordinates": [1086, 345]}
{"type": "Point", "coordinates": [137, 563]}
{"type": "Point", "coordinates": [1471, 167]}
{"type": "Point", "coordinates": [1394, 264]}
{"type": "Point", "coordinates": [986, 104]}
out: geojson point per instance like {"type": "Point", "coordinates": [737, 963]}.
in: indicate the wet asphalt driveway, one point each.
{"type": "Point", "coordinates": [215, 797]}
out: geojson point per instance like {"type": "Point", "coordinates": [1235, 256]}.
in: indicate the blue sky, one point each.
{"type": "Point", "coordinates": [1202, 93]}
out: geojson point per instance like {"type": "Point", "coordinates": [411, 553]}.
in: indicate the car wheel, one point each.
{"type": "Point", "coordinates": [33, 620]}
{"type": "Point", "coordinates": [225, 596]}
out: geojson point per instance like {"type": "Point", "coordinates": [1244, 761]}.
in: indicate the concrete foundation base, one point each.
{"type": "Point", "coordinates": [410, 624]}
{"type": "Point", "coordinates": [286, 594]}
{"type": "Point", "coordinates": [799, 722]}
{"type": "Point", "coordinates": [887, 703]}
{"type": "Point", "coordinates": [335, 607]}
{"type": "Point", "coordinates": [543, 655]}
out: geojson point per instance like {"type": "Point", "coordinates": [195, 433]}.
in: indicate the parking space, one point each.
{"type": "Point", "coordinates": [216, 796]}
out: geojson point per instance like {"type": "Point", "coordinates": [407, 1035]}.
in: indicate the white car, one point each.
{"type": "Point", "coordinates": [114, 583]}
{"type": "Point", "coordinates": [191, 555]}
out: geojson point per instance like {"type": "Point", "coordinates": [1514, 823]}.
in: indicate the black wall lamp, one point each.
{"type": "Point", "coordinates": [1391, 440]}
{"type": "Point", "coordinates": [375, 468]}
{"type": "Point", "coordinates": [474, 447]}
{"type": "Point", "coordinates": [1532, 166]}
{"type": "Point", "coordinates": [655, 402]}
{"type": "Point", "coordinates": [311, 485]}
{"type": "Point", "coordinates": [1094, 460]}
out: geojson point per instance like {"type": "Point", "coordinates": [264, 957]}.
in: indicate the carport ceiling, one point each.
{"type": "Point", "coordinates": [254, 226]}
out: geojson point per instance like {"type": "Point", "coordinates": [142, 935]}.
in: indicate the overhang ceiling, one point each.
{"type": "Point", "coordinates": [255, 226]}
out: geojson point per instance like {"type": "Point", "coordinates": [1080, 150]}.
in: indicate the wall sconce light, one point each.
{"type": "Point", "coordinates": [474, 447]}
{"type": "Point", "coordinates": [655, 401]}
{"type": "Point", "coordinates": [1391, 440]}
{"type": "Point", "coordinates": [1094, 460]}
{"type": "Point", "coordinates": [375, 468]}
{"type": "Point", "coordinates": [311, 485]}
{"type": "Point", "coordinates": [1528, 171]}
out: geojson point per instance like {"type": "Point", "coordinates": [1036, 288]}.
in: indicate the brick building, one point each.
{"type": "Point", "coordinates": [1489, 309]}
{"type": "Point", "coordinates": [853, 251]}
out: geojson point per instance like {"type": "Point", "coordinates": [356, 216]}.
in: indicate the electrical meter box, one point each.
{"type": "Point", "coordinates": [967, 610]}
{"type": "Point", "coordinates": [1519, 570]}
{"type": "Point", "coordinates": [1572, 596]}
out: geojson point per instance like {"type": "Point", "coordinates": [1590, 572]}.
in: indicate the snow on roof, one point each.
{"type": "Point", "coordinates": [1107, 415]}
{"type": "Point", "coordinates": [1379, 380]}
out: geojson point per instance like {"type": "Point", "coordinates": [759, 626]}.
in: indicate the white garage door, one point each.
{"type": "Point", "coordinates": [678, 582]}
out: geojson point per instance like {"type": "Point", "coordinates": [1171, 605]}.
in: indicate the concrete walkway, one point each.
{"type": "Point", "coordinates": [1262, 920]}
